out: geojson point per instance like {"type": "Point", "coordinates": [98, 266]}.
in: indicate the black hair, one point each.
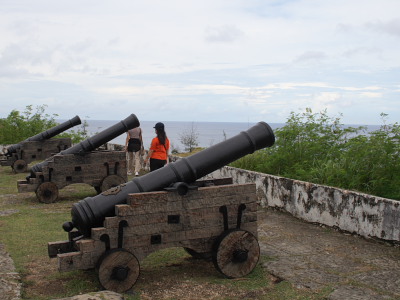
{"type": "Point", "coordinates": [162, 136]}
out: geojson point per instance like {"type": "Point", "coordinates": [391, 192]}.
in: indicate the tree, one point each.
{"type": "Point", "coordinates": [189, 138]}
{"type": "Point", "coordinates": [79, 135]}
{"type": "Point", "coordinates": [18, 126]}
{"type": "Point", "coordinates": [316, 148]}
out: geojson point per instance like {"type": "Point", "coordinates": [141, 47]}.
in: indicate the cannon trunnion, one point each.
{"type": "Point", "coordinates": [206, 218]}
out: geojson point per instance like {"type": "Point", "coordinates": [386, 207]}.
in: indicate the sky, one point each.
{"type": "Point", "coordinates": [209, 60]}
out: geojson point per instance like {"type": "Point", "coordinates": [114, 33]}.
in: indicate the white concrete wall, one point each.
{"type": "Point", "coordinates": [366, 215]}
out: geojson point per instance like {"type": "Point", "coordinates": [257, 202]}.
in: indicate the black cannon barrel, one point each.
{"type": "Point", "coordinates": [47, 134]}
{"type": "Point", "coordinates": [95, 141]}
{"type": "Point", "coordinates": [90, 212]}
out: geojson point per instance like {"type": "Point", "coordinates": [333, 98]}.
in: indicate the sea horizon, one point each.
{"type": "Point", "coordinates": [208, 133]}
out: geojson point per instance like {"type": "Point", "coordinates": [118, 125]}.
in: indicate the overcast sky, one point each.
{"type": "Point", "coordinates": [208, 60]}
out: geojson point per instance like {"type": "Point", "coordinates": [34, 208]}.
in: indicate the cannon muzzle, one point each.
{"type": "Point", "coordinates": [95, 141]}
{"type": "Point", "coordinates": [91, 212]}
{"type": "Point", "coordinates": [47, 134]}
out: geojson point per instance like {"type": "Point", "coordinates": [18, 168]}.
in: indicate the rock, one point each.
{"type": "Point", "coordinates": [10, 286]}
{"type": "Point", "coordinates": [103, 295]}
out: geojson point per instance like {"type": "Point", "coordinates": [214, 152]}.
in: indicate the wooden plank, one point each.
{"type": "Point", "coordinates": [161, 219]}
{"type": "Point", "coordinates": [148, 208]}
{"type": "Point", "coordinates": [55, 248]}
{"type": "Point", "coordinates": [191, 218]}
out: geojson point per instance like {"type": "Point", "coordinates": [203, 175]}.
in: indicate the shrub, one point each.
{"type": "Point", "coordinates": [17, 126]}
{"type": "Point", "coordinates": [189, 138]}
{"type": "Point", "coordinates": [317, 148]}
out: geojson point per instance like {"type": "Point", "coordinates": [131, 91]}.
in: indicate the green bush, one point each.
{"type": "Point", "coordinates": [17, 126]}
{"type": "Point", "coordinates": [76, 136]}
{"type": "Point", "coordinates": [316, 148]}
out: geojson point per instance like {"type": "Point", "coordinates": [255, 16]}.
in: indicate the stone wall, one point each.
{"type": "Point", "coordinates": [363, 214]}
{"type": "Point", "coordinates": [358, 213]}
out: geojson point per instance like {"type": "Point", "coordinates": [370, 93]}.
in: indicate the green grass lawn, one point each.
{"type": "Point", "coordinates": [166, 274]}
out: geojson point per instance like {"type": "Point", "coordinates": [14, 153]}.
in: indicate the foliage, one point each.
{"type": "Point", "coordinates": [174, 149]}
{"type": "Point", "coordinates": [189, 138]}
{"type": "Point", "coordinates": [18, 126]}
{"type": "Point", "coordinates": [317, 148]}
{"type": "Point", "coordinates": [77, 136]}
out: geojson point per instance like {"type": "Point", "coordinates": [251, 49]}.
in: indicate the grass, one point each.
{"type": "Point", "coordinates": [186, 154]}
{"type": "Point", "coordinates": [166, 274]}
{"type": "Point", "coordinates": [8, 181]}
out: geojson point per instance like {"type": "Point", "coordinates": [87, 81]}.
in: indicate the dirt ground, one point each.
{"type": "Point", "coordinates": [309, 256]}
{"type": "Point", "coordinates": [313, 256]}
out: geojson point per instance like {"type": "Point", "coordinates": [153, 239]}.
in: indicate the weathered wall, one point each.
{"type": "Point", "coordinates": [359, 213]}
{"type": "Point", "coordinates": [366, 215]}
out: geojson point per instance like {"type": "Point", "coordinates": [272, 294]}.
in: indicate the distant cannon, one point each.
{"type": "Point", "coordinates": [169, 208]}
{"type": "Point", "coordinates": [81, 164]}
{"type": "Point", "coordinates": [38, 147]}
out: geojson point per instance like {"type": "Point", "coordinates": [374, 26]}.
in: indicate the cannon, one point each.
{"type": "Point", "coordinates": [38, 147]}
{"type": "Point", "coordinates": [169, 207]}
{"type": "Point", "coordinates": [81, 164]}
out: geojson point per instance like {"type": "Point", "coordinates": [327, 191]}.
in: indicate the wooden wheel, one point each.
{"type": "Point", "coordinates": [47, 192]}
{"type": "Point", "coordinates": [236, 253]}
{"type": "Point", "coordinates": [118, 270]}
{"type": "Point", "coordinates": [111, 181]}
{"type": "Point", "coordinates": [19, 166]}
{"type": "Point", "coordinates": [98, 189]}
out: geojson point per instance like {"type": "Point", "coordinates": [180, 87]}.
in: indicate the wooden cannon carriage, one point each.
{"type": "Point", "coordinates": [100, 169]}
{"type": "Point", "coordinates": [81, 164]}
{"type": "Point", "coordinates": [34, 151]}
{"type": "Point", "coordinates": [169, 207]}
{"type": "Point", "coordinates": [38, 147]}
{"type": "Point", "coordinates": [208, 218]}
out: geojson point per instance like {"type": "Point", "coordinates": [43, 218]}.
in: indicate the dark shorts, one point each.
{"type": "Point", "coordinates": [156, 164]}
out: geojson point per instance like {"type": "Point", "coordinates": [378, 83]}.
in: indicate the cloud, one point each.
{"type": "Point", "coordinates": [368, 88]}
{"type": "Point", "coordinates": [327, 97]}
{"type": "Point", "coordinates": [371, 95]}
{"type": "Point", "coordinates": [390, 27]}
{"type": "Point", "coordinates": [365, 51]}
{"type": "Point", "coordinates": [244, 58]}
{"type": "Point", "coordinates": [223, 34]}
{"type": "Point", "coordinates": [311, 56]}
{"type": "Point", "coordinates": [126, 91]}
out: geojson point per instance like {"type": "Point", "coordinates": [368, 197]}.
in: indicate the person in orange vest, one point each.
{"type": "Point", "coordinates": [159, 149]}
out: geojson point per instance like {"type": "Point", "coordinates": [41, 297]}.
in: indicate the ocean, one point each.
{"type": "Point", "coordinates": [209, 133]}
